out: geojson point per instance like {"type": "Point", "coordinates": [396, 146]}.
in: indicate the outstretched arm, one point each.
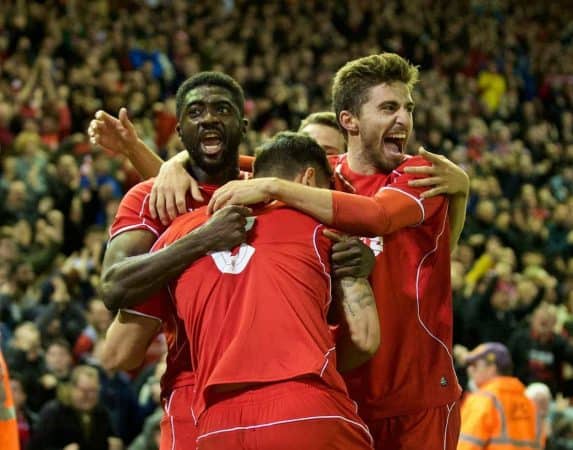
{"type": "Point", "coordinates": [382, 214]}
{"type": "Point", "coordinates": [354, 214]}
{"type": "Point", "coordinates": [130, 275]}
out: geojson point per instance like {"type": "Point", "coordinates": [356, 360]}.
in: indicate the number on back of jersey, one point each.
{"type": "Point", "coordinates": [235, 262]}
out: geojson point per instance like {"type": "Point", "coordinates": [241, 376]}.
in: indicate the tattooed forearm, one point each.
{"type": "Point", "coordinates": [356, 295]}
{"type": "Point", "coordinates": [359, 317]}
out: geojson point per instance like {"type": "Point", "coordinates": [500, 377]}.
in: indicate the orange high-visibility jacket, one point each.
{"type": "Point", "coordinates": [500, 417]}
{"type": "Point", "coordinates": [8, 425]}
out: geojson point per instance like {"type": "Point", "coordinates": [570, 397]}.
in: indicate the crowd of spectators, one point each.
{"type": "Point", "coordinates": [496, 96]}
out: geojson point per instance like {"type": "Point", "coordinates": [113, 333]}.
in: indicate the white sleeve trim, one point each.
{"type": "Point", "coordinates": [137, 313]}
{"type": "Point", "coordinates": [137, 226]}
{"type": "Point", "coordinates": [416, 199]}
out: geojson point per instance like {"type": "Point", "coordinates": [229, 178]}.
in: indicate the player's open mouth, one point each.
{"type": "Point", "coordinates": [212, 143]}
{"type": "Point", "coordinates": [395, 142]}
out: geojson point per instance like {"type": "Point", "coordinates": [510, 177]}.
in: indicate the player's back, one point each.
{"type": "Point", "coordinates": [258, 315]}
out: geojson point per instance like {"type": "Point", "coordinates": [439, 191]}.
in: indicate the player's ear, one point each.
{"type": "Point", "coordinates": [298, 178]}
{"type": "Point", "coordinates": [309, 177]}
{"type": "Point", "coordinates": [245, 126]}
{"type": "Point", "coordinates": [178, 129]}
{"type": "Point", "coordinates": [349, 122]}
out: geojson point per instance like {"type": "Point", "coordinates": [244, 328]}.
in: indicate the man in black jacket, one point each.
{"type": "Point", "coordinates": [76, 421]}
{"type": "Point", "coordinates": [538, 352]}
{"type": "Point", "coordinates": [492, 313]}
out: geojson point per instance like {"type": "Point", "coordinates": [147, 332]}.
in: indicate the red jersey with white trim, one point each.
{"type": "Point", "coordinates": [413, 368]}
{"type": "Point", "coordinates": [133, 214]}
{"type": "Point", "coordinates": [179, 369]}
{"type": "Point", "coordinates": [258, 315]}
{"type": "Point", "coordinates": [133, 211]}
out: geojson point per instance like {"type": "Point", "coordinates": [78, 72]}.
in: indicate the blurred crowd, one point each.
{"type": "Point", "coordinates": [496, 96]}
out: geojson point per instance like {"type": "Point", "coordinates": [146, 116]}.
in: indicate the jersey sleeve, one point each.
{"type": "Point", "coordinates": [394, 206]}
{"type": "Point", "coordinates": [246, 163]}
{"type": "Point", "coordinates": [133, 212]}
{"type": "Point", "coordinates": [154, 307]}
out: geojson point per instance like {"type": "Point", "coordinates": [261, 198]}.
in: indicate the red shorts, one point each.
{"type": "Point", "coordinates": [300, 414]}
{"type": "Point", "coordinates": [437, 428]}
{"type": "Point", "coordinates": [178, 429]}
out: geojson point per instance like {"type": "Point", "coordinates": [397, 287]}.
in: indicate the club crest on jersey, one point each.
{"type": "Point", "coordinates": [376, 244]}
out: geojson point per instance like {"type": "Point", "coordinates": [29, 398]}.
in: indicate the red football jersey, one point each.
{"type": "Point", "coordinates": [133, 214]}
{"type": "Point", "coordinates": [133, 211]}
{"type": "Point", "coordinates": [179, 370]}
{"type": "Point", "coordinates": [258, 314]}
{"type": "Point", "coordinates": [413, 368]}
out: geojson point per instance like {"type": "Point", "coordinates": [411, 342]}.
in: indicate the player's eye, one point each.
{"type": "Point", "coordinates": [194, 111]}
{"type": "Point", "coordinates": [223, 109]}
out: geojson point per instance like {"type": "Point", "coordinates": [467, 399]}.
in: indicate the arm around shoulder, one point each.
{"type": "Point", "coordinates": [119, 277]}
{"type": "Point", "coordinates": [129, 276]}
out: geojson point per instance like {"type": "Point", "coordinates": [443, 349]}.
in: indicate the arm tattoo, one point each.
{"type": "Point", "coordinates": [356, 295]}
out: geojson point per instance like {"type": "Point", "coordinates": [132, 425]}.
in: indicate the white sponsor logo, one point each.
{"type": "Point", "coordinates": [376, 244]}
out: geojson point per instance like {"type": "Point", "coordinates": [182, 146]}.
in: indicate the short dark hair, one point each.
{"type": "Point", "coordinates": [210, 79]}
{"type": "Point", "coordinates": [287, 153]}
{"type": "Point", "coordinates": [353, 81]}
{"type": "Point", "coordinates": [60, 342]}
{"type": "Point", "coordinates": [325, 118]}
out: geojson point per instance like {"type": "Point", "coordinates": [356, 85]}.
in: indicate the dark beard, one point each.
{"type": "Point", "coordinates": [385, 165]}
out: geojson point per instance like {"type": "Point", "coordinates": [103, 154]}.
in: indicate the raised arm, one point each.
{"type": "Point", "coordinates": [130, 275]}
{"type": "Point", "coordinates": [173, 179]}
{"type": "Point", "coordinates": [26, 92]}
{"type": "Point", "coordinates": [118, 135]}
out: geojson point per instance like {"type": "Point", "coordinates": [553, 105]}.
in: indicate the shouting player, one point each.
{"type": "Point", "coordinates": [256, 320]}
{"type": "Point", "coordinates": [408, 393]}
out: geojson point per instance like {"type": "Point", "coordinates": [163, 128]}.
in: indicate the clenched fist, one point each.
{"type": "Point", "coordinates": [227, 228]}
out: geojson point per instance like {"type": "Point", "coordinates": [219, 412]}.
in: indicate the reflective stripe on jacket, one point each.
{"type": "Point", "coordinates": [500, 417]}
